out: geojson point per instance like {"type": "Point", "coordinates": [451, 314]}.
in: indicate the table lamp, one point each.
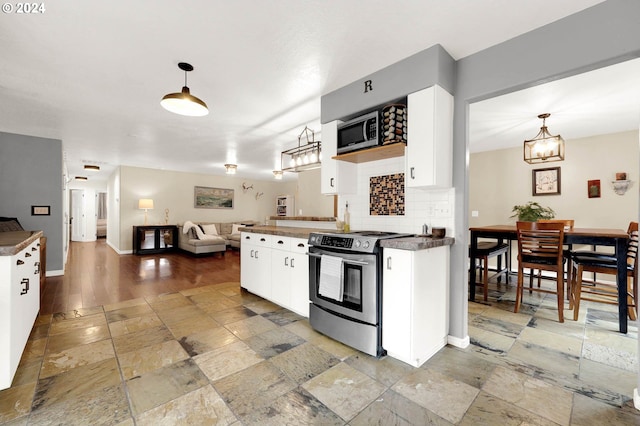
{"type": "Point", "coordinates": [145, 204]}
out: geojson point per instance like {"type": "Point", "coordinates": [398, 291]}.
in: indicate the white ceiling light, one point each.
{"type": "Point", "coordinates": [277, 174]}
{"type": "Point", "coordinates": [184, 103]}
{"type": "Point", "coordinates": [231, 168]}
{"type": "Point", "coordinates": [544, 147]}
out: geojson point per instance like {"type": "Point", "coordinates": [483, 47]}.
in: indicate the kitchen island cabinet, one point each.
{"type": "Point", "coordinates": [19, 298]}
{"type": "Point", "coordinates": [255, 263]}
{"type": "Point", "coordinates": [415, 301]}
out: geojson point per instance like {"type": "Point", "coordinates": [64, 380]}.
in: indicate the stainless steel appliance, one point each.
{"type": "Point", "coordinates": [358, 133]}
{"type": "Point", "coordinates": [354, 316]}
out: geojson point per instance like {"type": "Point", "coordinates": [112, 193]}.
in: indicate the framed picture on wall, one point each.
{"type": "Point", "coordinates": [593, 188]}
{"type": "Point", "coordinates": [546, 181]}
{"type": "Point", "coordinates": [212, 198]}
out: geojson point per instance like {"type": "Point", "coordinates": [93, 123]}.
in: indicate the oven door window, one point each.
{"type": "Point", "coordinates": [352, 291]}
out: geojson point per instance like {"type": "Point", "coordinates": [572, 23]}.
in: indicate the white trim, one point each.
{"type": "Point", "coordinates": [54, 273]}
{"type": "Point", "coordinates": [457, 342]}
{"type": "Point", "coordinates": [636, 399]}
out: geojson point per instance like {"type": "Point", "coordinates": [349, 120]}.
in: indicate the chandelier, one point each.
{"type": "Point", "coordinates": [305, 156]}
{"type": "Point", "coordinates": [544, 147]}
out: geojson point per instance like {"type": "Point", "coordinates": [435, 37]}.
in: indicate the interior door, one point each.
{"type": "Point", "coordinates": [77, 215]}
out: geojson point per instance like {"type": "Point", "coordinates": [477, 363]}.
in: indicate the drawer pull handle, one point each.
{"type": "Point", "coordinates": [280, 242]}
{"type": "Point", "coordinates": [20, 262]}
{"type": "Point", "coordinates": [413, 172]}
{"type": "Point", "coordinates": [27, 255]}
{"type": "Point", "coordinates": [286, 261]}
{"type": "Point", "coordinates": [292, 259]}
{"type": "Point", "coordinates": [262, 240]}
{"type": "Point", "coordinates": [301, 245]}
{"type": "Point", "coordinates": [25, 283]}
{"type": "Point", "coordinates": [34, 249]}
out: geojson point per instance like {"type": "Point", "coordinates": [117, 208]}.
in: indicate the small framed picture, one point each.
{"type": "Point", "coordinates": [40, 210]}
{"type": "Point", "coordinates": [546, 181]}
{"type": "Point", "coordinates": [593, 188]}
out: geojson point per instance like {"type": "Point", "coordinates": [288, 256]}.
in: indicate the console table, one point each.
{"type": "Point", "coordinates": [149, 239]}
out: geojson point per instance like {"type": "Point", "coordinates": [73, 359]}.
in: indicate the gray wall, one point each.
{"type": "Point", "coordinates": [31, 174]}
{"type": "Point", "coordinates": [605, 34]}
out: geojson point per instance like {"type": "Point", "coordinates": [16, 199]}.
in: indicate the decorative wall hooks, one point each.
{"type": "Point", "coordinates": [259, 194]}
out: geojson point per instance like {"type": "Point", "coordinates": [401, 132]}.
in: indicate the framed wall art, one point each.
{"type": "Point", "coordinates": [546, 181]}
{"type": "Point", "coordinates": [212, 198]}
{"type": "Point", "coordinates": [40, 210]}
{"type": "Point", "coordinates": [593, 188]}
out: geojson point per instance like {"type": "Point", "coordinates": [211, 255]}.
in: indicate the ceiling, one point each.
{"type": "Point", "coordinates": [92, 73]}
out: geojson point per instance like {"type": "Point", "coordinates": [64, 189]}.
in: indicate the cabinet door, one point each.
{"type": "Point", "coordinates": [337, 177]}
{"type": "Point", "coordinates": [396, 303]}
{"type": "Point", "coordinates": [281, 277]}
{"type": "Point", "coordinates": [247, 265]}
{"type": "Point", "coordinates": [299, 265]}
{"type": "Point", "coordinates": [428, 155]}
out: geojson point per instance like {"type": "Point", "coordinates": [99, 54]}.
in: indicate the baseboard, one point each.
{"type": "Point", "coordinates": [54, 273]}
{"type": "Point", "coordinates": [636, 399]}
{"type": "Point", "coordinates": [458, 342]}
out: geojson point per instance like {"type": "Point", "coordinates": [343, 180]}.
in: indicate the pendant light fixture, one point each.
{"type": "Point", "coordinates": [544, 147]}
{"type": "Point", "coordinates": [305, 156]}
{"type": "Point", "coordinates": [184, 103]}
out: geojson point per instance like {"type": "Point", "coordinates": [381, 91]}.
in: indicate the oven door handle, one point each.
{"type": "Point", "coordinates": [350, 262]}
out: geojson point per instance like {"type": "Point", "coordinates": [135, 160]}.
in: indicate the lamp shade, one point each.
{"type": "Point", "coordinates": [184, 103]}
{"type": "Point", "coordinates": [145, 203]}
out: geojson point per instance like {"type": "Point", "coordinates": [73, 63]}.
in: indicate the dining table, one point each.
{"type": "Point", "coordinates": [616, 238]}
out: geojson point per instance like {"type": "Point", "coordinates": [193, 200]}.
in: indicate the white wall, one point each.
{"type": "Point", "coordinates": [421, 206]}
{"type": "Point", "coordinates": [498, 180]}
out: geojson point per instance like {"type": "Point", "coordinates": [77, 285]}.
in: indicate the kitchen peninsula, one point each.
{"type": "Point", "coordinates": [275, 265]}
{"type": "Point", "coordinates": [19, 296]}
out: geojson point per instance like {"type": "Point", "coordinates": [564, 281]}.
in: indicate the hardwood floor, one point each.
{"type": "Point", "coordinates": [96, 275]}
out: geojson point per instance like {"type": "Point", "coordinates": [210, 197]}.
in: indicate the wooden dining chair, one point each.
{"type": "Point", "coordinates": [540, 247]}
{"type": "Point", "coordinates": [606, 292]}
{"type": "Point", "coordinates": [568, 225]}
{"type": "Point", "coordinates": [485, 251]}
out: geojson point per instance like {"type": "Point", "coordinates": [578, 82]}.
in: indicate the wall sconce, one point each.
{"type": "Point", "coordinates": [544, 147]}
{"type": "Point", "coordinates": [277, 174]}
{"type": "Point", "coordinates": [303, 157]}
{"type": "Point", "coordinates": [145, 204]}
{"type": "Point", "coordinates": [231, 168]}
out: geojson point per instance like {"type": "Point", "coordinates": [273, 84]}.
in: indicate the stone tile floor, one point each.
{"type": "Point", "coordinates": [219, 355]}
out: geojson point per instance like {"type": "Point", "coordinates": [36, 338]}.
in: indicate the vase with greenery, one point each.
{"type": "Point", "coordinates": [532, 211]}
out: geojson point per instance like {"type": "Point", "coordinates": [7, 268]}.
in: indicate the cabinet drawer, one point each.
{"type": "Point", "coordinates": [262, 240]}
{"type": "Point", "coordinates": [280, 243]}
{"type": "Point", "coordinates": [299, 245]}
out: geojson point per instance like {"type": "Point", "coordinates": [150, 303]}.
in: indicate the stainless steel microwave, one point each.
{"type": "Point", "coordinates": [358, 133]}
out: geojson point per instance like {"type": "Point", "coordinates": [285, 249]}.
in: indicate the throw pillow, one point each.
{"type": "Point", "coordinates": [235, 229]}
{"type": "Point", "coordinates": [210, 229]}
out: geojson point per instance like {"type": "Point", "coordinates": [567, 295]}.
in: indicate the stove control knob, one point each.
{"type": "Point", "coordinates": [357, 243]}
{"type": "Point", "coordinates": [366, 244]}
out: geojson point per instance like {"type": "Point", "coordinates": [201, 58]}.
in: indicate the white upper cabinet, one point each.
{"type": "Point", "coordinates": [338, 177]}
{"type": "Point", "coordinates": [428, 155]}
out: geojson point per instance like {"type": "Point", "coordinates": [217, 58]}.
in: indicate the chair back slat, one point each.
{"type": "Point", "coordinates": [540, 239]}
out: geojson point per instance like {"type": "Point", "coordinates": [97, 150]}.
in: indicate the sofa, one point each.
{"type": "Point", "coordinates": [199, 238]}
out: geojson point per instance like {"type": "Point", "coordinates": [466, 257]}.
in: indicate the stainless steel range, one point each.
{"type": "Point", "coordinates": [345, 287]}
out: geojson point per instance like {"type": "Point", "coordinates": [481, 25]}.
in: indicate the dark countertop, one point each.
{"type": "Point", "coordinates": [309, 218]}
{"type": "Point", "coordinates": [13, 242]}
{"type": "Point", "coordinates": [285, 231]}
{"type": "Point", "coordinates": [416, 243]}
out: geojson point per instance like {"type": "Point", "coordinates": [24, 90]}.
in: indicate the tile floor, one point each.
{"type": "Point", "coordinates": [218, 355]}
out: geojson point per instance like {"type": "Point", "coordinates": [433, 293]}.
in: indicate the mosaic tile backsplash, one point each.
{"type": "Point", "coordinates": [386, 195]}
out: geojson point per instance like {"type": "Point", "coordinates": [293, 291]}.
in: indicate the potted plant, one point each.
{"type": "Point", "coordinates": [532, 211]}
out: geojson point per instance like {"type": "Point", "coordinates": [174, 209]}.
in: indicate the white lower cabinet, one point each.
{"type": "Point", "coordinates": [255, 263]}
{"type": "Point", "coordinates": [286, 282]}
{"type": "Point", "coordinates": [415, 303]}
{"type": "Point", "coordinates": [19, 306]}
